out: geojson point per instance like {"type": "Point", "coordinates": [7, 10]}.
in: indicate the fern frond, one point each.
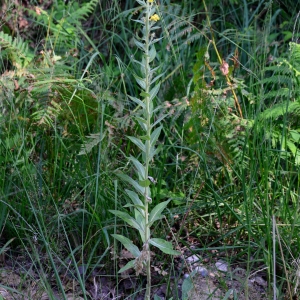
{"type": "Point", "coordinates": [88, 146]}
{"type": "Point", "coordinates": [280, 110]}
{"type": "Point", "coordinates": [18, 50]}
{"type": "Point", "coordinates": [82, 12]}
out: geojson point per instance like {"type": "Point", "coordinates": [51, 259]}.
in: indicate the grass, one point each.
{"type": "Point", "coordinates": [229, 178]}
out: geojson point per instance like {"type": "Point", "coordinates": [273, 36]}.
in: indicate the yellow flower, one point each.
{"type": "Point", "coordinates": [151, 1]}
{"type": "Point", "coordinates": [155, 17]}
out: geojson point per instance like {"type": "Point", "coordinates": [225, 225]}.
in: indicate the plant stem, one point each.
{"type": "Point", "coordinates": [147, 154]}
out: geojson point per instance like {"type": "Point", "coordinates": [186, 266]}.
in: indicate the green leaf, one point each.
{"type": "Point", "coordinates": [152, 53]}
{"type": "Point", "coordinates": [145, 138]}
{"type": "Point", "coordinates": [144, 94]}
{"type": "Point", "coordinates": [155, 214]}
{"type": "Point", "coordinates": [133, 249]}
{"type": "Point", "coordinates": [137, 101]}
{"type": "Point", "coordinates": [154, 91]}
{"type": "Point", "coordinates": [139, 44]}
{"type": "Point", "coordinates": [159, 120]}
{"type": "Point", "coordinates": [155, 135]}
{"type": "Point", "coordinates": [140, 168]}
{"type": "Point", "coordinates": [164, 246]}
{"type": "Point", "coordinates": [153, 151]}
{"type": "Point", "coordinates": [132, 182]}
{"type": "Point", "coordinates": [157, 77]}
{"type": "Point", "coordinates": [138, 142]}
{"type": "Point", "coordinates": [135, 198]}
{"type": "Point", "coordinates": [127, 218]}
{"type": "Point", "coordinates": [141, 220]}
{"type": "Point", "coordinates": [141, 82]}
{"type": "Point", "coordinates": [144, 183]}
{"type": "Point", "coordinates": [142, 122]}
{"type": "Point", "coordinates": [129, 265]}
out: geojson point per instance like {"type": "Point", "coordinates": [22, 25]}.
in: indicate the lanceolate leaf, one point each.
{"type": "Point", "coordinates": [153, 151]}
{"type": "Point", "coordinates": [152, 53]}
{"type": "Point", "coordinates": [141, 82]}
{"type": "Point", "coordinates": [129, 265]}
{"type": "Point", "coordinates": [140, 168]}
{"type": "Point", "coordinates": [156, 212]}
{"type": "Point", "coordinates": [138, 142]}
{"type": "Point", "coordinates": [137, 101]}
{"type": "Point", "coordinates": [142, 123]}
{"type": "Point", "coordinates": [164, 246]}
{"type": "Point", "coordinates": [134, 183]}
{"type": "Point", "coordinates": [135, 198]}
{"type": "Point", "coordinates": [133, 249]}
{"type": "Point", "coordinates": [159, 120]}
{"type": "Point", "coordinates": [155, 135]}
{"type": "Point", "coordinates": [154, 91]}
{"type": "Point", "coordinates": [157, 77]}
{"type": "Point", "coordinates": [127, 218]}
{"type": "Point", "coordinates": [139, 44]}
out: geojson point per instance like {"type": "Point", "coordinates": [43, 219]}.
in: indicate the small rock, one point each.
{"type": "Point", "coordinates": [222, 266]}
{"type": "Point", "coordinates": [193, 259]}
{"type": "Point", "coordinates": [202, 271]}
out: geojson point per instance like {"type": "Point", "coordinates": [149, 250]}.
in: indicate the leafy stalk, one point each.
{"type": "Point", "coordinates": [143, 218]}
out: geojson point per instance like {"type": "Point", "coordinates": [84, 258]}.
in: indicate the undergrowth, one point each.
{"type": "Point", "coordinates": [228, 162]}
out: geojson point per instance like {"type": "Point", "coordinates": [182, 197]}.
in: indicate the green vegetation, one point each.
{"type": "Point", "coordinates": [195, 105]}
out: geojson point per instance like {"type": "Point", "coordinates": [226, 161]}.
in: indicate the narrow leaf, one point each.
{"type": "Point", "coordinates": [164, 246]}
{"type": "Point", "coordinates": [141, 82]}
{"type": "Point", "coordinates": [132, 182]}
{"type": "Point", "coordinates": [153, 151]}
{"type": "Point", "coordinates": [156, 212]}
{"type": "Point", "coordinates": [157, 77]}
{"type": "Point", "coordinates": [139, 167]}
{"type": "Point", "coordinates": [138, 142]}
{"type": "Point", "coordinates": [159, 120]}
{"type": "Point", "coordinates": [137, 101]}
{"type": "Point", "coordinates": [133, 249]}
{"type": "Point", "coordinates": [152, 53]}
{"type": "Point", "coordinates": [129, 265]}
{"type": "Point", "coordinates": [142, 123]}
{"type": "Point", "coordinates": [134, 198]}
{"type": "Point", "coordinates": [154, 91]}
{"type": "Point", "coordinates": [127, 218]}
{"type": "Point", "coordinates": [155, 135]}
{"type": "Point", "coordinates": [139, 44]}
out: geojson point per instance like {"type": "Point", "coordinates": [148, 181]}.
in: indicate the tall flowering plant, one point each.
{"type": "Point", "coordinates": [142, 217]}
